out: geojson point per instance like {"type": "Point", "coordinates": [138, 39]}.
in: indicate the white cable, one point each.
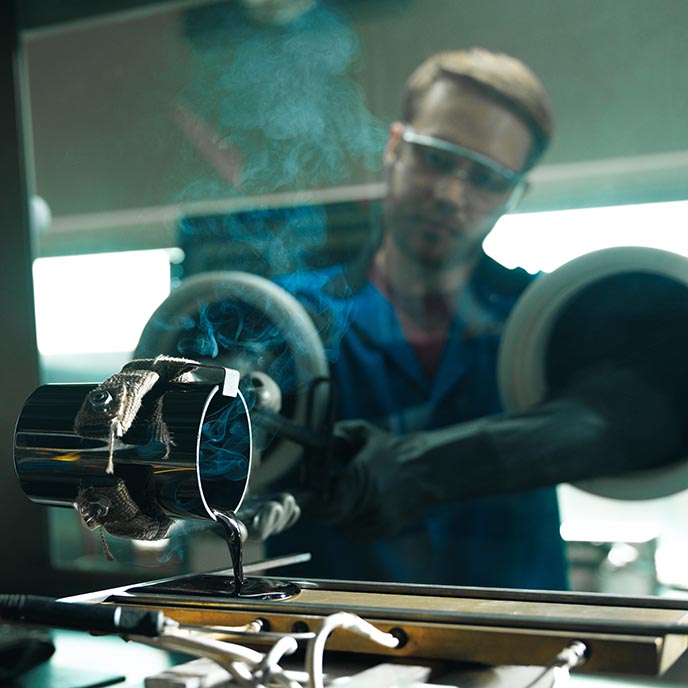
{"type": "Point", "coordinates": [252, 669]}
{"type": "Point", "coordinates": [235, 659]}
{"type": "Point", "coordinates": [572, 655]}
{"type": "Point", "coordinates": [316, 646]}
{"type": "Point", "coordinates": [251, 628]}
{"type": "Point", "coordinates": [246, 666]}
{"type": "Point", "coordinates": [286, 645]}
{"type": "Point", "coordinates": [239, 661]}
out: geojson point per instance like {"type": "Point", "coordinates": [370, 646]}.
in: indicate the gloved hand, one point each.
{"type": "Point", "coordinates": [263, 516]}
{"type": "Point", "coordinates": [388, 480]}
{"type": "Point", "coordinates": [604, 424]}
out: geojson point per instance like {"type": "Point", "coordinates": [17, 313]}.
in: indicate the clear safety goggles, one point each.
{"type": "Point", "coordinates": [442, 158]}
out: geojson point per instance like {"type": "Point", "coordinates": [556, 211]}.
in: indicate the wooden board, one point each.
{"type": "Point", "coordinates": [632, 636]}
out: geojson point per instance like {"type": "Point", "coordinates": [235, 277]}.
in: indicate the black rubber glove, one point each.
{"type": "Point", "coordinates": [390, 480]}
{"type": "Point", "coordinates": [607, 423]}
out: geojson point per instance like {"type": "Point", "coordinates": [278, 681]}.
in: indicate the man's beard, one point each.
{"type": "Point", "coordinates": [451, 246]}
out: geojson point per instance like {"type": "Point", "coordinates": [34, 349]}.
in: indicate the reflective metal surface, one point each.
{"type": "Point", "coordinates": [207, 466]}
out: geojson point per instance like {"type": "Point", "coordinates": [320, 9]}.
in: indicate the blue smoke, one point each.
{"type": "Point", "coordinates": [282, 95]}
{"type": "Point", "coordinates": [283, 102]}
{"type": "Point", "coordinates": [224, 445]}
{"type": "Point", "coordinates": [283, 106]}
{"type": "Point", "coordinates": [263, 241]}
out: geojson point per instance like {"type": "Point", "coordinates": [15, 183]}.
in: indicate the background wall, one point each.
{"type": "Point", "coordinates": [131, 113]}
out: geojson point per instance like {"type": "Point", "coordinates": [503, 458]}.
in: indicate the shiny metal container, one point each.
{"type": "Point", "coordinates": [207, 467]}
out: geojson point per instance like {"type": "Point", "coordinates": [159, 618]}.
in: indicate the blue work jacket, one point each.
{"type": "Point", "coordinates": [505, 541]}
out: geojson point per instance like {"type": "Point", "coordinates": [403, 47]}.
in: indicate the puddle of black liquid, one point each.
{"type": "Point", "coordinates": [209, 585]}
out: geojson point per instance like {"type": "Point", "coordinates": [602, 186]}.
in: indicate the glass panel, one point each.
{"type": "Point", "coordinates": [187, 137]}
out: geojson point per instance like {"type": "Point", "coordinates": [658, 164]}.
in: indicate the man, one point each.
{"type": "Point", "coordinates": [419, 354]}
{"type": "Point", "coordinates": [432, 482]}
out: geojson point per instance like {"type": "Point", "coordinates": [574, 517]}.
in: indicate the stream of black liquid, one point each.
{"type": "Point", "coordinates": [261, 588]}
{"type": "Point", "coordinates": [230, 525]}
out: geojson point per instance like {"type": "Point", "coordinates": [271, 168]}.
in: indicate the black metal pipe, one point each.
{"type": "Point", "coordinates": [92, 618]}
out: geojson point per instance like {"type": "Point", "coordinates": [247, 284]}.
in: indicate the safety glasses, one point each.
{"type": "Point", "coordinates": [442, 158]}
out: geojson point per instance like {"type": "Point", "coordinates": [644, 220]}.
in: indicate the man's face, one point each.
{"type": "Point", "coordinates": [440, 204]}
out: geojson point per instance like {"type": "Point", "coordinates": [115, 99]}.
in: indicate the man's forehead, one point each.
{"type": "Point", "coordinates": [463, 114]}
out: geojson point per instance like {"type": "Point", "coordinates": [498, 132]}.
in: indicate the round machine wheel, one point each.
{"type": "Point", "coordinates": [246, 322]}
{"type": "Point", "coordinates": [587, 310]}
